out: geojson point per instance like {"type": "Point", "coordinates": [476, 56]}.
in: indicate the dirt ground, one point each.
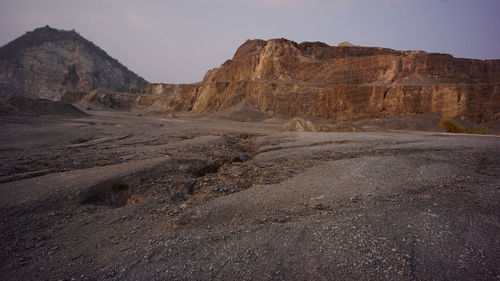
{"type": "Point", "coordinates": [116, 196]}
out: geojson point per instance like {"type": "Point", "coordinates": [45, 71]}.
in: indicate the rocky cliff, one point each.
{"type": "Point", "coordinates": [275, 77]}
{"type": "Point", "coordinates": [350, 82]}
{"type": "Point", "coordinates": [48, 63]}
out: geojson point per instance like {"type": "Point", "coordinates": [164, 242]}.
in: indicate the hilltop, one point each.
{"type": "Point", "coordinates": [48, 62]}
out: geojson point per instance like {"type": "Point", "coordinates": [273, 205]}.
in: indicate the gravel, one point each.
{"type": "Point", "coordinates": [208, 199]}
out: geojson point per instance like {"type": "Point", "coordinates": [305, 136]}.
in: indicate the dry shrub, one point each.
{"type": "Point", "coordinates": [452, 126]}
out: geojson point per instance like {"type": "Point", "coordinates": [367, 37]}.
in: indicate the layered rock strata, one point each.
{"type": "Point", "coordinates": [345, 83]}
{"type": "Point", "coordinates": [277, 77]}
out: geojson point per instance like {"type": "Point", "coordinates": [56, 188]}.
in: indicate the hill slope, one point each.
{"type": "Point", "coordinates": [48, 62]}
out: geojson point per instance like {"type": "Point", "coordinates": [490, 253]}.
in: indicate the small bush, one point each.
{"type": "Point", "coordinates": [452, 126]}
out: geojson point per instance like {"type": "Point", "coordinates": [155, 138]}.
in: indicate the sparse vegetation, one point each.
{"type": "Point", "coordinates": [480, 130]}
{"type": "Point", "coordinates": [452, 126]}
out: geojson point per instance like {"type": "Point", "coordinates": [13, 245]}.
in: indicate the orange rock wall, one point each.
{"type": "Point", "coordinates": [343, 83]}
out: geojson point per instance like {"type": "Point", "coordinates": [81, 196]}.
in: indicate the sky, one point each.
{"type": "Point", "coordinates": [177, 41]}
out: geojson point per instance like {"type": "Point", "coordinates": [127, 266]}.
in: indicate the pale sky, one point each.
{"type": "Point", "coordinates": [177, 41]}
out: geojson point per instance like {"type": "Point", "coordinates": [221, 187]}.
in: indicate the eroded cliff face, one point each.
{"type": "Point", "coordinates": [349, 82]}
{"type": "Point", "coordinates": [314, 62]}
{"type": "Point", "coordinates": [278, 77]}
{"type": "Point", "coordinates": [48, 63]}
{"type": "Point", "coordinates": [350, 102]}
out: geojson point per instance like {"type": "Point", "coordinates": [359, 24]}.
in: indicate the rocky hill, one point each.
{"type": "Point", "coordinates": [276, 77]}
{"type": "Point", "coordinates": [48, 63]}
{"type": "Point", "coordinates": [350, 82]}
{"type": "Point", "coordinates": [347, 82]}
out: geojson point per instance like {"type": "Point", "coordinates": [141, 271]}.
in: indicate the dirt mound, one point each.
{"type": "Point", "coordinates": [346, 44]}
{"type": "Point", "coordinates": [171, 115]}
{"type": "Point", "coordinates": [38, 107]}
{"type": "Point", "coordinates": [301, 125]}
{"type": "Point", "coordinates": [243, 112]}
{"type": "Point", "coordinates": [100, 99]}
{"type": "Point", "coordinates": [419, 122]}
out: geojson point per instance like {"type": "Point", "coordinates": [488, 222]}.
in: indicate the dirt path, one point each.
{"type": "Point", "coordinates": [122, 197]}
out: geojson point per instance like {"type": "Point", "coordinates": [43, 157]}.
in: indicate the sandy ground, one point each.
{"type": "Point", "coordinates": [114, 196]}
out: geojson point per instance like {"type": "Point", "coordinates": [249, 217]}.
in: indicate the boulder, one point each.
{"type": "Point", "coordinates": [301, 125]}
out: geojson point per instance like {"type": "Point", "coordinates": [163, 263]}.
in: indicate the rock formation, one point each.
{"type": "Point", "coordinates": [348, 82]}
{"type": "Point", "coordinates": [275, 77]}
{"type": "Point", "coordinates": [301, 125]}
{"type": "Point", "coordinates": [48, 63]}
{"type": "Point", "coordinates": [243, 112]}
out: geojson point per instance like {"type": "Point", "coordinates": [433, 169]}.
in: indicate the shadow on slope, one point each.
{"type": "Point", "coordinates": [21, 106]}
